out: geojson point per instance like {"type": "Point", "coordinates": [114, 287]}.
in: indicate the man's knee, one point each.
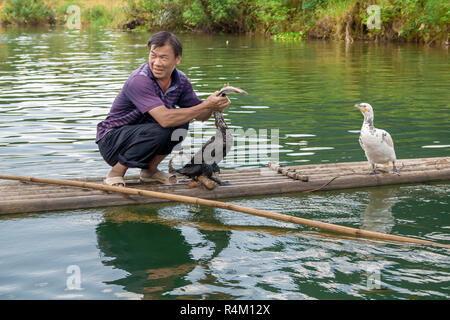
{"type": "Point", "coordinates": [173, 136]}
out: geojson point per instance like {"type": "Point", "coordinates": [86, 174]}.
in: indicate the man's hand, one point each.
{"type": "Point", "coordinates": [216, 102]}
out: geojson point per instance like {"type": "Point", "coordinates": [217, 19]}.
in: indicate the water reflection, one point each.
{"type": "Point", "coordinates": [153, 255]}
{"type": "Point", "coordinates": [185, 251]}
{"type": "Point", "coordinates": [377, 215]}
{"type": "Point", "coordinates": [159, 254]}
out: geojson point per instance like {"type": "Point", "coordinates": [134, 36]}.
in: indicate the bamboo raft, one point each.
{"type": "Point", "coordinates": [28, 197]}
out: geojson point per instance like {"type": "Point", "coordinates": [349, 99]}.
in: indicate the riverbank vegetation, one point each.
{"type": "Point", "coordinates": [101, 13]}
{"type": "Point", "coordinates": [425, 21]}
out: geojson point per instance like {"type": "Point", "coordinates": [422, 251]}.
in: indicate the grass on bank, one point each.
{"type": "Point", "coordinates": [102, 13]}
{"type": "Point", "coordinates": [406, 20]}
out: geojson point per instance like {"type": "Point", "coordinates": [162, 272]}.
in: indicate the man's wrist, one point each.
{"type": "Point", "coordinates": [208, 105]}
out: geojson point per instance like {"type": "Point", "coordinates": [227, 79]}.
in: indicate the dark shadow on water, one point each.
{"type": "Point", "coordinates": [153, 251]}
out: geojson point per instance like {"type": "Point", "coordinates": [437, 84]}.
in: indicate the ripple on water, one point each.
{"type": "Point", "coordinates": [53, 96]}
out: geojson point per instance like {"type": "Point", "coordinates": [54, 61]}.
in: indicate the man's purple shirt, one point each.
{"type": "Point", "coordinates": [141, 93]}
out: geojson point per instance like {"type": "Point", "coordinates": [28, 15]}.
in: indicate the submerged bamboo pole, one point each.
{"type": "Point", "coordinates": [229, 206]}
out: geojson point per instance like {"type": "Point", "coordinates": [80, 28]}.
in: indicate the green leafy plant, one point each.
{"type": "Point", "coordinates": [289, 36]}
{"type": "Point", "coordinates": [412, 20]}
{"type": "Point", "coordinates": [98, 15]}
{"type": "Point", "coordinates": [27, 12]}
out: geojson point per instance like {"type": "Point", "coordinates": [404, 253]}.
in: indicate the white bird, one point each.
{"type": "Point", "coordinates": [376, 143]}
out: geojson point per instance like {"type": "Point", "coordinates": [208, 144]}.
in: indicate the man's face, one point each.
{"type": "Point", "coordinates": [162, 61]}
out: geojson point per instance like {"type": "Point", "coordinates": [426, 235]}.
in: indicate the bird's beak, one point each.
{"type": "Point", "coordinates": [361, 108]}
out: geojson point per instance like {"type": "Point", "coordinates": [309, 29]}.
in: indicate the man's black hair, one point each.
{"type": "Point", "coordinates": [162, 38]}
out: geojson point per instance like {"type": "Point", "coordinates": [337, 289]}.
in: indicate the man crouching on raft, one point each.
{"type": "Point", "coordinates": [137, 133]}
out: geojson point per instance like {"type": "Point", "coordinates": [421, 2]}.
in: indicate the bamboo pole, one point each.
{"type": "Point", "coordinates": [229, 206]}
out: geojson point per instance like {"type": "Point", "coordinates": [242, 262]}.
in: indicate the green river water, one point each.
{"type": "Point", "coordinates": [56, 85]}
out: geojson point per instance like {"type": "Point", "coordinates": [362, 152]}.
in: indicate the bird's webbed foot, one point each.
{"type": "Point", "coordinates": [373, 166]}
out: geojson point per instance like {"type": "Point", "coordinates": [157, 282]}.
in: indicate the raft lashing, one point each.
{"type": "Point", "coordinates": [30, 197]}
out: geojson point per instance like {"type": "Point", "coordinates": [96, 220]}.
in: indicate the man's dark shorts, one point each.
{"type": "Point", "coordinates": [134, 146]}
